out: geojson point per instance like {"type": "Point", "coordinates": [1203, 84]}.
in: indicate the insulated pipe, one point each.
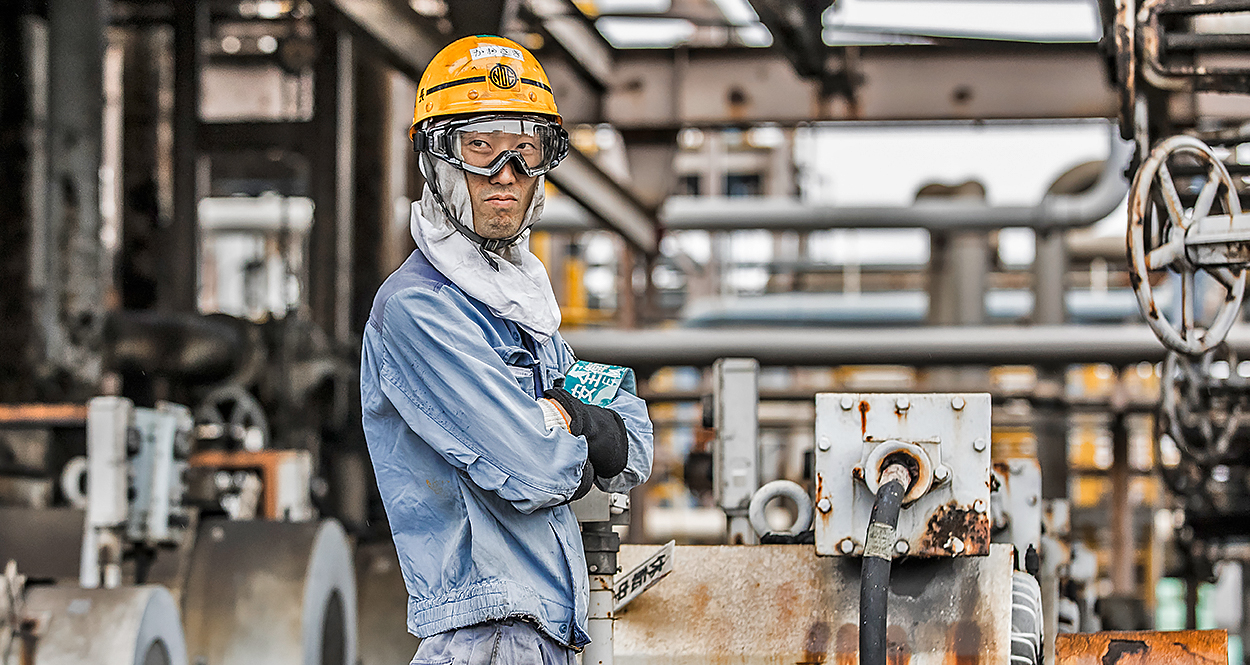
{"type": "Point", "coordinates": [1055, 211]}
{"type": "Point", "coordinates": [874, 578]}
{"type": "Point", "coordinates": [646, 350]}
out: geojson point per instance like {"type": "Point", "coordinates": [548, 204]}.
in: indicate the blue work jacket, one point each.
{"type": "Point", "coordinates": [471, 478]}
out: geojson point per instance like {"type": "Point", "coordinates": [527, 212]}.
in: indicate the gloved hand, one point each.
{"type": "Point", "coordinates": [607, 443]}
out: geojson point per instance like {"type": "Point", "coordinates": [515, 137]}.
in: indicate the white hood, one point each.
{"type": "Point", "coordinates": [520, 290]}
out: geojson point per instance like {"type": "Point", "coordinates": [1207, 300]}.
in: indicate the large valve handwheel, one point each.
{"type": "Point", "coordinates": [1202, 407]}
{"type": "Point", "coordinates": [231, 411]}
{"type": "Point", "coordinates": [1158, 221]}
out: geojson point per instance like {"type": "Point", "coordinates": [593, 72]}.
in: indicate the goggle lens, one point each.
{"type": "Point", "coordinates": [484, 146]}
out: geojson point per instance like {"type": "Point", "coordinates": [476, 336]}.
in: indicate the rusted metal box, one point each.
{"type": "Point", "coordinates": [782, 604]}
{"type": "Point", "coordinates": [946, 436]}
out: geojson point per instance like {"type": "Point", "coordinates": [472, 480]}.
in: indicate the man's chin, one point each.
{"type": "Point", "coordinates": [501, 228]}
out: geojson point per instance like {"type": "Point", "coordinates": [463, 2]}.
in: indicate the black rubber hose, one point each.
{"type": "Point", "coordinates": [874, 578]}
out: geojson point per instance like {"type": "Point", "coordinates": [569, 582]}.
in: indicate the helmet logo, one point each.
{"type": "Point", "coordinates": [503, 76]}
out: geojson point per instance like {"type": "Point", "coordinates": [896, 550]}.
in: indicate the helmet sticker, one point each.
{"type": "Point", "coordinates": [494, 51]}
{"type": "Point", "coordinates": [503, 76]}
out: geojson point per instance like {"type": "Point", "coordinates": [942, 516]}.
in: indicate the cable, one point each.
{"type": "Point", "coordinates": [874, 578]}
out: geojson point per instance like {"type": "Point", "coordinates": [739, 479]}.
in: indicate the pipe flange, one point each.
{"type": "Point", "coordinates": [923, 473]}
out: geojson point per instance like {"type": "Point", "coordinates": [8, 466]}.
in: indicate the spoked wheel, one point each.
{"type": "Point", "coordinates": [231, 411]}
{"type": "Point", "coordinates": [1158, 222]}
{"type": "Point", "coordinates": [1202, 409]}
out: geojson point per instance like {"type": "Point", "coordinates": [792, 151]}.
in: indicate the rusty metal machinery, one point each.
{"type": "Point", "coordinates": [1206, 235]}
{"type": "Point", "coordinates": [271, 592]}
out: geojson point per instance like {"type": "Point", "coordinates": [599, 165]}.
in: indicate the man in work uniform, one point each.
{"type": "Point", "coordinates": [476, 446]}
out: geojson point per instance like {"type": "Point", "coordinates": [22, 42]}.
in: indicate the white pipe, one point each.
{"type": "Point", "coordinates": [599, 623]}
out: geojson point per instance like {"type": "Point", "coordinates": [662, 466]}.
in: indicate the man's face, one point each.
{"type": "Point", "coordinates": [499, 201]}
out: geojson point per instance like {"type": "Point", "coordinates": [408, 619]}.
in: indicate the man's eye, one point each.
{"type": "Point", "coordinates": [479, 144]}
{"type": "Point", "coordinates": [526, 146]}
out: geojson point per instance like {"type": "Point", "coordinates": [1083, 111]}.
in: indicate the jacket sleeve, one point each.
{"type": "Point", "coordinates": [456, 393]}
{"type": "Point", "coordinates": [641, 444]}
{"type": "Point", "coordinates": [633, 410]}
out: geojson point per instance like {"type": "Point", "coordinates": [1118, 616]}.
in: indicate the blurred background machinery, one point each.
{"type": "Point", "coordinates": [769, 200]}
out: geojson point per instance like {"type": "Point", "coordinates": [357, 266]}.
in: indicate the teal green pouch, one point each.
{"type": "Point", "coordinates": [597, 384]}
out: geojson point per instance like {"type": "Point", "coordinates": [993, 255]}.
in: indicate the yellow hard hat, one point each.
{"type": "Point", "coordinates": [483, 74]}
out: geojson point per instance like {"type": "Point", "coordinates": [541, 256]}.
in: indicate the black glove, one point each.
{"type": "Point", "coordinates": [607, 443]}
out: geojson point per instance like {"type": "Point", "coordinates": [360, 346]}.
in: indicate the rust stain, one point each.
{"type": "Point", "coordinates": [846, 645]}
{"type": "Point", "coordinates": [897, 650]}
{"type": "Point", "coordinates": [965, 644]}
{"type": "Point", "coordinates": [816, 644]}
{"type": "Point", "coordinates": [1182, 647]}
{"type": "Point", "coordinates": [953, 521]}
{"type": "Point", "coordinates": [863, 417]}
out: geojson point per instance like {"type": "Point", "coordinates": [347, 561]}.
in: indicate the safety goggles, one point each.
{"type": "Point", "coordinates": [483, 144]}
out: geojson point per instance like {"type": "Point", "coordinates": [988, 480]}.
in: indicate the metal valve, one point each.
{"type": "Point", "coordinates": [1165, 233]}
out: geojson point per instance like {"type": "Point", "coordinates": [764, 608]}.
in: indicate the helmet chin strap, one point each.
{"type": "Point", "coordinates": [484, 245]}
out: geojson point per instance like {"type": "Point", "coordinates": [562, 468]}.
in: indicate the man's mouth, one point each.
{"type": "Point", "coordinates": [501, 197]}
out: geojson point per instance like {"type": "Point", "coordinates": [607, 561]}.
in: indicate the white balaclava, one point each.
{"type": "Point", "coordinates": [516, 288]}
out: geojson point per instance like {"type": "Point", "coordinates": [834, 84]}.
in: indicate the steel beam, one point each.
{"type": "Point", "coordinates": [920, 346]}
{"type": "Point", "coordinates": [612, 204]}
{"type": "Point", "coordinates": [669, 89]}
{"type": "Point", "coordinates": [178, 288]}
{"type": "Point", "coordinates": [405, 39]}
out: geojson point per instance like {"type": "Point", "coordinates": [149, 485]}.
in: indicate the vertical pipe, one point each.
{"type": "Point", "coordinates": [18, 171]}
{"type": "Point", "coordinates": [1123, 544]}
{"type": "Point", "coordinates": [601, 545]}
{"type": "Point", "coordinates": [71, 308]}
{"type": "Point", "coordinates": [179, 285]}
{"type": "Point", "coordinates": [1050, 266]}
{"type": "Point", "coordinates": [599, 622]}
{"type": "Point", "coordinates": [344, 185]}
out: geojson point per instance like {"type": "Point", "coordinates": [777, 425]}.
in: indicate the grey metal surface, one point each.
{"type": "Point", "coordinates": [783, 604]}
{"type": "Point", "coordinates": [382, 607]}
{"type": "Point", "coordinates": [709, 87]}
{"type": "Point", "coordinates": [616, 206]}
{"type": "Point", "coordinates": [922, 346]}
{"type": "Point", "coordinates": [123, 626]}
{"type": "Point", "coordinates": [45, 542]}
{"type": "Point", "coordinates": [948, 435]}
{"type": "Point", "coordinates": [735, 453]}
{"type": "Point", "coordinates": [1016, 506]}
{"type": "Point", "coordinates": [408, 42]}
{"type": "Point", "coordinates": [271, 592]}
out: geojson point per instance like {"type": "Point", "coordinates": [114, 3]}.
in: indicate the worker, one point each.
{"type": "Point", "coordinates": [477, 443]}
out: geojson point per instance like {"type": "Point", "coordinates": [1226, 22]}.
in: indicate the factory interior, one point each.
{"type": "Point", "coordinates": [1002, 239]}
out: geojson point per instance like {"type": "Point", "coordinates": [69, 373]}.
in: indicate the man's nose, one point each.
{"type": "Point", "coordinates": [505, 176]}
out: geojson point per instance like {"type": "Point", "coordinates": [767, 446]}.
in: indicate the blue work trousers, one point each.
{"type": "Point", "coordinates": [494, 643]}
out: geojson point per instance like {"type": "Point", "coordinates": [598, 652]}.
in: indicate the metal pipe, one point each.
{"type": "Point", "coordinates": [1055, 211]}
{"type": "Point", "coordinates": [874, 577]}
{"type": "Point", "coordinates": [920, 346]}
{"type": "Point", "coordinates": [601, 545]}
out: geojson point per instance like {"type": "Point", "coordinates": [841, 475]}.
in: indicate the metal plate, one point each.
{"type": "Point", "coordinates": [1182, 647]}
{"type": "Point", "coordinates": [952, 518]}
{"type": "Point", "coordinates": [783, 604]}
